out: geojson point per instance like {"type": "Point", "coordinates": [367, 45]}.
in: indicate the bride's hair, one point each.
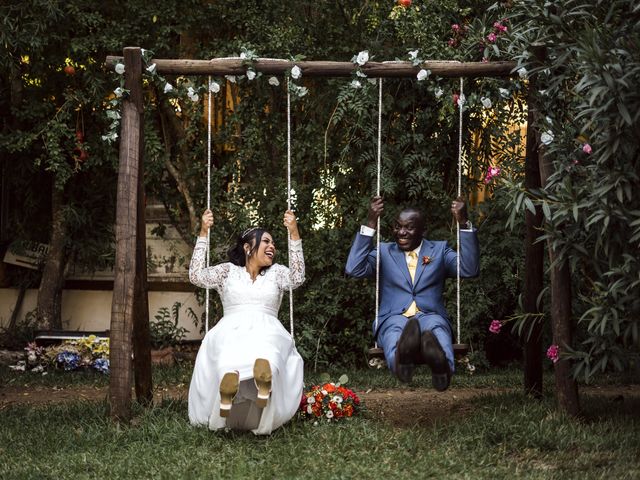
{"type": "Point", "coordinates": [252, 236]}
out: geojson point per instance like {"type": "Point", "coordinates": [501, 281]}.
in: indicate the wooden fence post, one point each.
{"type": "Point", "coordinates": [122, 307]}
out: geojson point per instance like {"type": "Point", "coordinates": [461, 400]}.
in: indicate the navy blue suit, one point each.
{"type": "Point", "coordinates": [397, 291]}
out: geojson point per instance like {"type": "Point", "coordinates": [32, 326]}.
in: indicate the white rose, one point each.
{"type": "Point", "coordinates": [413, 54]}
{"type": "Point", "coordinates": [362, 58]}
{"type": "Point", "coordinates": [504, 92]}
{"type": "Point", "coordinates": [547, 137]}
{"type": "Point", "coordinates": [243, 55]}
{"type": "Point", "coordinates": [361, 74]}
{"type": "Point", "coordinates": [355, 84]}
{"type": "Point", "coordinates": [311, 400]}
{"type": "Point", "coordinates": [486, 102]}
{"type": "Point", "coordinates": [438, 93]}
{"type": "Point", "coordinates": [296, 73]}
{"type": "Point", "coordinates": [152, 68]}
{"type": "Point", "coordinates": [522, 72]}
{"type": "Point", "coordinates": [302, 91]}
{"type": "Point", "coordinates": [119, 68]}
{"type": "Point", "coordinates": [461, 100]}
{"type": "Point", "coordinates": [309, 409]}
{"type": "Point", "coordinates": [168, 87]}
{"type": "Point", "coordinates": [372, 81]}
{"type": "Point", "coordinates": [423, 75]}
{"type": "Point", "coordinates": [118, 92]}
{"type": "Point", "coordinates": [274, 81]}
{"type": "Point", "coordinates": [194, 98]}
{"type": "Point", "coordinates": [214, 87]}
{"type": "Point", "coordinates": [251, 74]}
{"type": "Point", "coordinates": [231, 78]}
{"type": "Point", "coordinates": [330, 414]}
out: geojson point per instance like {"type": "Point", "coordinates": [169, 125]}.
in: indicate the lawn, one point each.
{"type": "Point", "coordinates": [499, 434]}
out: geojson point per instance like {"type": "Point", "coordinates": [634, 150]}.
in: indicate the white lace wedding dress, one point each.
{"type": "Point", "coordinates": [248, 330]}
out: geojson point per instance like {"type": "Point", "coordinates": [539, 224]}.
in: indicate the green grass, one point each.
{"type": "Point", "coordinates": [507, 435]}
{"type": "Point", "coordinates": [181, 373]}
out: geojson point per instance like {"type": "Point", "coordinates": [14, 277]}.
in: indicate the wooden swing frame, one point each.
{"type": "Point", "coordinates": [130, 311]}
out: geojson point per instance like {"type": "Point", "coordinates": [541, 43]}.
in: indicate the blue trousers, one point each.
{"type": "Point", "coordinates": [390, 331]}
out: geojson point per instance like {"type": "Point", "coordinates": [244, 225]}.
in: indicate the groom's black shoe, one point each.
{"type": "Point", "coordinates": [407, 350]}
{"type": "Point", "coordinates": [433, 355]}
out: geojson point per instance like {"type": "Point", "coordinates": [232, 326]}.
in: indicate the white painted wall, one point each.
{"type": "Point", "coordinates": [91, 309]}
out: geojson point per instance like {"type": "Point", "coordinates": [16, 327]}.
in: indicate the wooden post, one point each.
{"type": "Point", "coordinates": [534, 252]}
{"type": "Point", "coordinates": [122, 308]}
{"type": "Point", "coordinates": [561, 326]}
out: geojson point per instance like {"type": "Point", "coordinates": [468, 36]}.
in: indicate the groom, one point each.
{"type": "Point", "coordinates": [413, 326]}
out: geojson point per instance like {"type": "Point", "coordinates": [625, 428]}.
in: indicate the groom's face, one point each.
{"type": "Point", "coordinates": [408, 229]}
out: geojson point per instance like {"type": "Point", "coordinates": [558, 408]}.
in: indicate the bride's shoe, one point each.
{"type": "Point", "coordinates": [228, 389]}
{"type": "Point", "coordinates": [262, 379]}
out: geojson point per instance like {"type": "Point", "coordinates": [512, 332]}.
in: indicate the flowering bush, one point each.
{"type": "Point", "coordinates": [85, 352]}
{"type": "Point", "coordinates": [331, 401]}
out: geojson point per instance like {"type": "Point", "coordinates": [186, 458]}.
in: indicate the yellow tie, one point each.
{"type": "Point", "coordinates": [413, 264]}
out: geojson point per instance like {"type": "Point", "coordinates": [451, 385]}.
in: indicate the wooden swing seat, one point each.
{"type": "Point", "coordinates": [376, 354]}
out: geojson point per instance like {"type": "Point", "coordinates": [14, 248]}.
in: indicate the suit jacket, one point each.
{"type": "Point", "coordinates": [397, 291]}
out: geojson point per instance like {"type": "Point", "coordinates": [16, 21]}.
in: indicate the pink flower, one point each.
{"type": "Point", "coordinates": [485, 59]}
{"type": "Point", "coordinates": [495, 326]}
{"type": "Point", "coordinates": [499, 27]}
{"type": "Point", "coordinates": [455, 27]}
{"type": "Point", "coordinates": [452, 42]}
{"type": "Point", "coordinates": [586, 148]}
{"type": "Point", "coordinates": [553, 353]}
{"type": "Point", "coordinates": [491, 37]}
{"type": "Point", "coordinates": [492, 172]}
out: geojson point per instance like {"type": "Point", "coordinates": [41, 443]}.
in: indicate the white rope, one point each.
{"type": "Point", "coordinates": [289, 200]}
{"type": "Point", "coordinates": [460, 106]}
{"type": "Point", "coordinates": [206, 299]}
{"type": "Point", "coordinates": [379, 169]}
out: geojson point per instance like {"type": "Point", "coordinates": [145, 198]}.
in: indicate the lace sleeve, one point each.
{"type": "Point", "coordinates": [200, 275]}
{"type": "Point", "coordinates": [294, 275]}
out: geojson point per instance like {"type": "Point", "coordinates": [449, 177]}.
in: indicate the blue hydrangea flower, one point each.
{"type": "Point", "coordinates": [102, 365]}
{"type": "Point", "coordinates": [68, 360]}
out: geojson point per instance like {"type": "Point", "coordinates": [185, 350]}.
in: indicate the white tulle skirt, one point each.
{"type": "Point", "coordinates": [239, 338]}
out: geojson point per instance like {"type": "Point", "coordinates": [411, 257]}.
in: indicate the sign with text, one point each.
{"type": "Point", "coordinates": [26, 254]}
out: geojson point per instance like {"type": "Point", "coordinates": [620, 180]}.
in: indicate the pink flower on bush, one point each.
{"type": "Point", "coordinates": [492, 37]}
{"type": "Point", "coordinates": [492, 172]}
{"type": "Point", "coordinates": [553, 353]}
{"type": "Point", "coordinates": [455, 27]}
{"type": "Point", "coordinates": [586, 148]}
{"type": "Point", "coordinates": [499, 27]}
{"type": "Point", "coordinates": [495, 326]}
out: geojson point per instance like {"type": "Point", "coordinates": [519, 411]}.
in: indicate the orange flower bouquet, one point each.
{"type": "Point", "coordinates": [331, 401]}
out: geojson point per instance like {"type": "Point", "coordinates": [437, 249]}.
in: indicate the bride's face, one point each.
{"type": "Point", "coordinates": [265, 253]}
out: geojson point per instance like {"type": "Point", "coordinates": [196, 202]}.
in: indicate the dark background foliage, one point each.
{"type": "Point", "coordinates": [334, 140]}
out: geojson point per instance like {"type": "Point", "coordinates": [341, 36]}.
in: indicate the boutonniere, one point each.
{"type": "Point", "coordinates": [426, 260]}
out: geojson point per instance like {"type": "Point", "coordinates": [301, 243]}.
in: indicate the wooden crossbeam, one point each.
{"type": "Point", "coordinates": [394, 69]}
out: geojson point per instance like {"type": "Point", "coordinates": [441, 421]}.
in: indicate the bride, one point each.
{"type": "Point", "coordinates": [248, 373]}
